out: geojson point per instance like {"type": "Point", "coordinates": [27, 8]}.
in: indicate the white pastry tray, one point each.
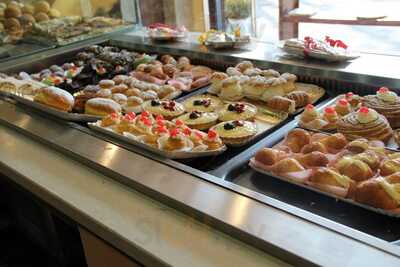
{"type": "Point", "coordinates": [391, 213]}
{"type": "Point", "coordinates": [299, 52]}
{"type": "Point", "coordinates": [171, 155]}
{"type": "Point", "coordinates": [57, 113]}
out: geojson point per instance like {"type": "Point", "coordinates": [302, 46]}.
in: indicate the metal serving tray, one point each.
{"type": "Point", "coordinates": [68, 116]}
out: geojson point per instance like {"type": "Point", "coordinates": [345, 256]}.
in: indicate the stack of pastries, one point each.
{"type": "Point", "coordinates": [387, 103]}
{"type": "Point", "coordinates": [98, 63]}
{"type": "Point", "coordinates": [361, 170]}
{"type": "Point", "coordinates": [327, 120]}
{"type": "Point", "coordinates": [366, 123]}
{"type": "Point", "coordinates": [163, 134]}
{"type": "Point", "coordinates": [246, 81]}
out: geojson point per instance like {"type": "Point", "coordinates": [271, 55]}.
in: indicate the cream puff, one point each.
{"type": "Point", "coordinates": [216, 82]}
{"type": "Point", "coordinates": [231, 89]}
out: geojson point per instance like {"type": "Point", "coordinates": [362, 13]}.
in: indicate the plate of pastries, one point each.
{"type": "Point", "coordinates": [172, 139]}
{"type": "Point", "coordinates": [97, 63]}
{"type": "Point", "coordinates": [375, 117]}
{"type": "Point", "coordinates": [272, 90]}
{"type": "Point", "coordinates": [359, 171]}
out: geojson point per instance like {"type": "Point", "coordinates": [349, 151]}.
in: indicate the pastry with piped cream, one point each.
{"type": "Point", "coordinates": [366, 123]}
{"type": "Point", "coordinates": [387, 103]}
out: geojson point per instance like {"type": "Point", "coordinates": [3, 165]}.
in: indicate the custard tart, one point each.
{"type": "Point", "coordinates": [237, 111]}
{"type": "Point", "coordinates": [199, 120]}
{"type": "Point", "coordinates": [236, 132]}
{"type": "Point", "coordinates": [167, 108]}
{"type": "Point", "coordinates": [204, 103]}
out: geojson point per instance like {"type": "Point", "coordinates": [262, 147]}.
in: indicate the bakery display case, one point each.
{"type": "Point", "coordinates": [227, 119]}
{"type": "Point", "coordinates": [31, 26]}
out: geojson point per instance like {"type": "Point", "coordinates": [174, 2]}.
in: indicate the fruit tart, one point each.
{"type": "Point", "coordinates": [167, 108]}
{"type": "Point", "coordinates": [237, 111]}
{"type": "Point", "coordinates": [387, 103]}
{"type": "Point", "coordinates": [204, 103]}
{"type": "Point", "coordinates": [365, 123]}
{"type": "Point", "coordinates": [199, 120]}
{"type": "Point", "coordinates": [236, 132]}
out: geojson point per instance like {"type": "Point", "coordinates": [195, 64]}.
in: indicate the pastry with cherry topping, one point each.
{"type": "Point", "coordinates": [343, 107]}
{"type": "Point", "coordinates": [110, 120]}
{"type": "Point", "coordinates": [212, 140]}
{"type": "Point", "coordinates": [331, 117]}
{"type": "Point", "coordinates": [238, 111]}
{"type": "Point", "coordinates": [167, 108]}
{"type": "Point", "coordinates": [175, 141]}
{"type": "Point", "coordinates": [236, 132]}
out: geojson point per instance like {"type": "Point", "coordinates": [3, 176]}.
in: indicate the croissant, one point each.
{"type": "Point", "coordinates": [297, 139]}
{"type": "Point", "coordinates": [267, 156]}
{"type": "Point", "coordinates": [375, 192]}
{"type": "Point", "coordinates": [355, 169]}
{"type": "Point", "coordinates": [336, 141]}
{"type": "Point", "coordinates": [281, 103]}
{"type": "Point", "coordinates": [288, 165]}
{"type": "Point", "coordinates": [314, 146]}
{"type": "Point", "coordinates": [300, 98]}
{"type": "Point", "coordinates": [358, 145]}
{"type": "Point", "coordinates": [313, 159]}
{"type": "Point", "coordinates": [390, 166]}
{"type": "Point", "coordinates": [369, 157]}
{"type": "Point", "coordinates": [331, 181]}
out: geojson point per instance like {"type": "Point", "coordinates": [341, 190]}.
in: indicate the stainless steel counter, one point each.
{"type": "Point", "coordinates": [211, 201]}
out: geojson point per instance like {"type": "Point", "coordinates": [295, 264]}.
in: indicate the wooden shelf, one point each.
{"type": "Point", "coordinates": [381, 22]}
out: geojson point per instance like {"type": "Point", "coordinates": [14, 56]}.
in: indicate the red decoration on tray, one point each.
{"type": "Point", "coordinates": [212, 134]}
{"type": "Point", "coordinates": [343, 102]}
{"type": "Point", "coordinates": [335, 43]}
{"type": "Point", "coordinates": [383, 90]}
{"type": "Point", "coordinates": [174, 133]}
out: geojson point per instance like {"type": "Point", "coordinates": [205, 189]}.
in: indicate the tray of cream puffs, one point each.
{"type": "Point", "coordinates": [374, 117]}
{"type": "Point", "coordinates": [268, 89]}
{"type": "Point", "coordinates": [358, 171]}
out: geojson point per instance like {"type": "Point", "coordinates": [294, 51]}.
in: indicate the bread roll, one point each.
{"type": "Point", "coordinates": [39, 17]}
{"type": "Point", "coordinates": [42, 6]}
{"type": "Point", "coordinates": [55, 97]}
{"type": "Point", "coordinates": [101, 106]}
{"type": "Point", "coordinates": [28, 9]}
{"type": "Point", "coordinates": [12, 12]}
